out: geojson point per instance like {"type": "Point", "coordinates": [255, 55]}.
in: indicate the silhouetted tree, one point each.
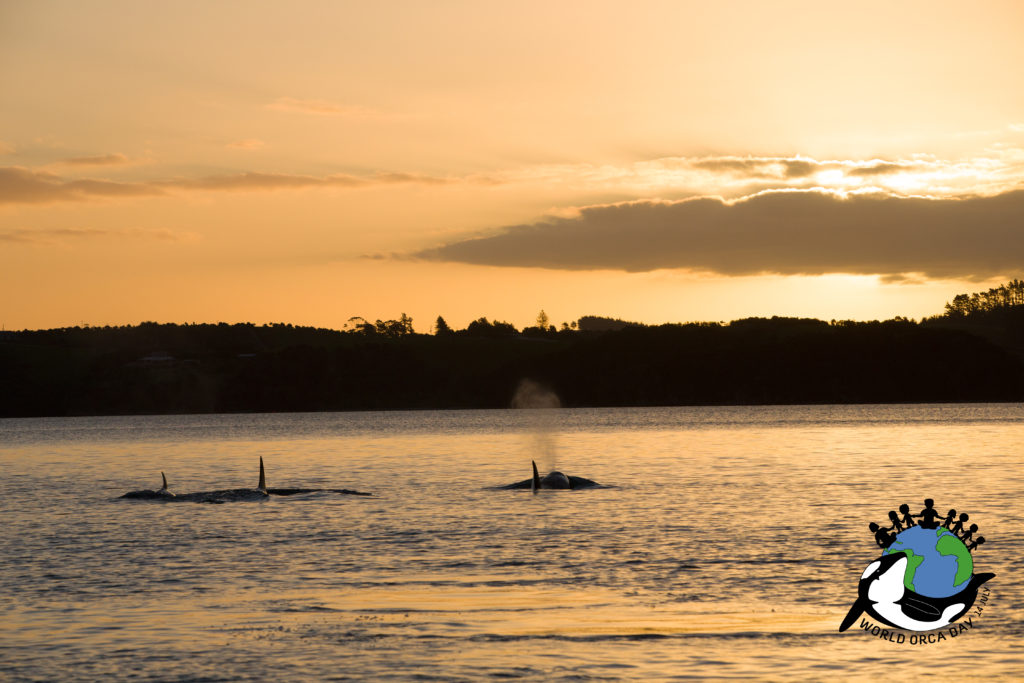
{"type": "Point", "coordinates": [359, 325]}
{"type": "Point", "coordinates": [441, 328]}
{"type": "Point", "coordinates": [481, 327]}
{"type": "Point", "coordinates": [594, 323]}
{"type": "Point", "coordinates": [395, 328]}
{"type": "Point", "coordinates": [997, 298]}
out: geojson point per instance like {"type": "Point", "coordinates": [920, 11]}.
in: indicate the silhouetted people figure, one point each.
{"type": "Point", "coordinates": [975, 543]}
{"type": "Point", "coordinates": [949, 518]}
{"type": "Point", "coordinates": [929, 516]}
{"type": "Point", "coordinates": [970, 532]}
{"type": "Point", "coordinates": [908, 519]}
{"type": "Point", "coordinates": [882, 536]}
{"type": "Point", "coordinates": [959, 526]}
{"type": "Point", "coordinates": [895, 519]}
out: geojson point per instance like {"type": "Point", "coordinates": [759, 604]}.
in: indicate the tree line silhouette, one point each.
{"type": "Point", "coordinates": [198, 368]}
{"type": "Point", "coordinates": [999, 298]}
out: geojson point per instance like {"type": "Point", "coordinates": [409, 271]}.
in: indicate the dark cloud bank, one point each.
{"type": "Point", "coordinates": [784, 232]}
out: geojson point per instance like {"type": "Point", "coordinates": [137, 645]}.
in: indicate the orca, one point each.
{"type": "Point", "coordinates": [551, 480]}
{"type": "Point", "coordinates": [261, 492]}
{"type": "Point", "coordinates": [148, 494]}
{"type": "Point", "coordinates": [232, 495]}
{"type": "Point", "coordinates": [883, 595]}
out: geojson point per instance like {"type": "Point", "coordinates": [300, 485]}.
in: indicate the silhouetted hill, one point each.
{"type": "Point", "coordinates": [786, 361]}
{"type": "Point", "coordinates": [154, 368]}
{"type": "Point", "coordinates": [1002, 325]}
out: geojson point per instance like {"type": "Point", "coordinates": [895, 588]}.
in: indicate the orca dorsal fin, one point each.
{"type": "Point", "coordinates": [536, 477]}
{"type": "Point", "coordinates": [263, 478]}
{"type": "Point", "coordinates": [164, 477]}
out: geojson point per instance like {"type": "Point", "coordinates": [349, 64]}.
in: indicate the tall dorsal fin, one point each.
{"type": "Point", "coordinates": [263, 479]}
{"type": "Point", "coordinates": [164, 477]}
{"type": "Point", "coordinates": [536, 477]}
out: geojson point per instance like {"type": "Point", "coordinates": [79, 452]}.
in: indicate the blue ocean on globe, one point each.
{"type": "Point", "coordinates": [939, 564]}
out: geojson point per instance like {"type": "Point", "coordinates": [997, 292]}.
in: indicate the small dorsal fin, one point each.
{"type": "Point", "coordinates": [263, 479]}
{"type": "Point", "coordinates": [536, 477]}
{"type": "Point", "coordinates": [164, 477]}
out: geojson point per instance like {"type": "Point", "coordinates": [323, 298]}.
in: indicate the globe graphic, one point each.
{"type": "Point", "coordinates": [939, 564]}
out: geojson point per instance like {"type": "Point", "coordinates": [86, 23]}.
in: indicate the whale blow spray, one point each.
{"type": "Point", "coordinates": [541, 402]}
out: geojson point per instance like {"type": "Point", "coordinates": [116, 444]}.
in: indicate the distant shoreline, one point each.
{"type": "Point", "coordinates": [154, 369]}
{"type": "Point", "coordinates": [562, 408]}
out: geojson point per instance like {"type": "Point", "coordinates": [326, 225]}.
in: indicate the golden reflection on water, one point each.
{"type": "Point", "coordinates": [573, 613]}
{"type": "Point", "coordinates": [729, 544]}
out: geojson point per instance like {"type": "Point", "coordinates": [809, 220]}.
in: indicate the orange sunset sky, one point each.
{"type": "Point", "coordinates": [305, 162]}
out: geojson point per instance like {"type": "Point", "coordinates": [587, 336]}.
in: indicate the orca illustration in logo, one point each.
{"type": "Point", "coordinates": [885, 598]}
{"type": "Point", "coordinates": [924, 579]}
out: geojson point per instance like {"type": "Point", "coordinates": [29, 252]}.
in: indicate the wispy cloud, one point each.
{"type": "Point", "coordinates": [20, 185]}
{"type": "Point", "coordinates": [282, 181]}
{"type": "Point", "coordinates": [6, 148]}
{"type": "Point", "coordinates": [98, 160]}
{"type": "Point", "coordinates": [999, 169]}
{"type": "Point", "coordinates": [318, 107]}
{"type": "Point", "coordinates": [755, 167]}
{"type": "Point", "coordinates": [798, 168]}
{"type": "Point", "coordinates": [24, 186]}
{"type": "Point", "coordinates": [246, 144]}
{"type": "Point", "coordinates": [783, 232]}
{"type": "Point", "coordinates": [879, 168]}
{"type": "Point", "coordinates": [51, 236]}
{"type": "Point", "coordinates": [731, 177]}
{"type": "Point", "coordinates": [258, 181]}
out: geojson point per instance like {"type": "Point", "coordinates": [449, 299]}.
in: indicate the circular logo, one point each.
{"type": "Point", "coordinates": [924, 580]}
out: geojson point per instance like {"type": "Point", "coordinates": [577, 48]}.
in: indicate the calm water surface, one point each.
{"type": "Point", "coordinates": [729, 545]}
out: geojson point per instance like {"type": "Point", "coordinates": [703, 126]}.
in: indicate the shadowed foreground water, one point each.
{"type": "Point", "coordinates": [730, 544]}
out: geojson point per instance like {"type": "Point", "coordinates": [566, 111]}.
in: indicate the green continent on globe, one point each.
{"type": "Point", "coordinates": [913, 562]}
{"type": "Point", "coordinates": [949, 544]}
{"type": "Point", "coordinates": [938, 563]}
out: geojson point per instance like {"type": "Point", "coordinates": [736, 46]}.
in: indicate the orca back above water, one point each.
{"type": "Point", "coordinates": [886, 599]}
{"type": "Point", "coordinates": [551, 480]}
{"type": "Point", "coordinates": [147, 494]}
{"type": "Point", "coordinates": [261, 492]}
{"type": "Point", "coordinates": [297, 491]}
